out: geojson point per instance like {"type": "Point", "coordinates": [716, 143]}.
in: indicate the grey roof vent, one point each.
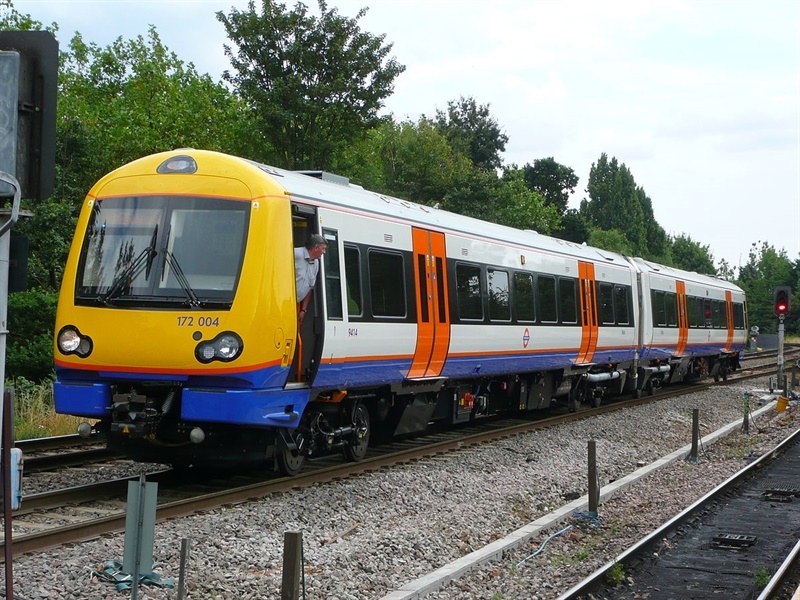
{"type": "Point", "coordinates": [325, 176]}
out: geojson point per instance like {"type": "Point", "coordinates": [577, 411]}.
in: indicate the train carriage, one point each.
{"type": "Point", "coordinates": [177, 328]}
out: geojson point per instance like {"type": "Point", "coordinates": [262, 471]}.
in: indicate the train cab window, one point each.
{"type": "Point", "coordinates": [622, 304]}
{"type": "Point", "coordinates": [671, 309]}
{"type": "Point", "coordinates": [387, 284]}
{"type": "Point", "coordinates": [523, 297]}
{"type": "Point", "coordinates": [352, 272]}
{"type": "Point", "coordinates": [567, 300]}
{"type": "Point", "coordinates": [605, 299]}
{"type": "Point", "coordinates": [468, 290]}
{"type": "Point", "coordinates": [659, 311]}
{"type": "Point", "coordinates": [546, 288]}
{"type": "Point", "coordinates": [499, 307]}
{"type": "Point", "coordinates": [333, 277]}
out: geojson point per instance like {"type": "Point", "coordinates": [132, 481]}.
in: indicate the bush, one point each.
{"type": "Point", "coordinates": [29, 348]}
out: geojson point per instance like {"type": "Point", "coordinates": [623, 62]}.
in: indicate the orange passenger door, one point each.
{"type": "Point", "coordinates": [433, 318]}
{"type": "Point", "coordinates": [588, 302]}
{"type": "Point", "coordinates": [683, 319]}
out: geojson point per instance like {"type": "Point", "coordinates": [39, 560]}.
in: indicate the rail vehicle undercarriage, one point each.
{"type": "Point", "coordinates": [145, 421]}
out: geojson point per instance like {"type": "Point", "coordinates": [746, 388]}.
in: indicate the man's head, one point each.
{"type": "Point", "coordinates": [316, 245]}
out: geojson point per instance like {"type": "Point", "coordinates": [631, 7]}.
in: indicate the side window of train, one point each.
{"type": "Point", "coordinates": [707, 313]}
{"type": "Point", "coordinates": [546, 288]}
{"type": "Point", "coordinates": [671, 309]}
{"type": "Point", "coordinates": [567, 300]}
{"type": "Point", "coordinates": [622, 304]}
{"type": "Point", "coordinates": [468, 292]}
{"type": "Point", "coordinates": [693, 311]}
{"type": "Point", "coordinates": [605, 298]}
{"type": "Point", "coordinates": [387, 283]}
{"type": "Point", "coordinates": [523, 297]}
{"type": "Point", "coordinates": [720, 317]}
{"type": "Point", "coordinates": [333, 276]}
{"type": "Point", "coordinates": [659, 311]}
{"type": "Point", "coordinates": [352, 279]}
{"type": "Point", "coordinates": [738, 315]}
{"type": "Point", "coordinates": [499, 306]}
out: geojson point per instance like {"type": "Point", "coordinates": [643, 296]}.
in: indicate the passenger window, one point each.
{"type": "Point", "coordinates": [670, 307]}
{"type": "Point", "coordinates": [333, 278]}
{"type": "Point", "coordinates": [622, 298]}
{"type": "Point", "coordinates": [567, 300]}
{"type": "Point", "coordinates": [659, 312]}
{"type": "Point", "coordinates": [547, 298]}
{"type": "Point", "coordinates": [387, 284]}
{"type": "Point", "coordinates": [707, 313]}
{"type": "Point", "coordinates": [692, 311]}
{"type": "Point", "coordinates": [352, 272]}
{"type": "Point", "coordinates": [499, 307]}
{"type": "Point", "coordinates": [468, 289]}
{"type": "Point", "coordinates": [605, 292]}
{"type": "Point", "coordinates": [738, 316]}
{"type": "Point", "coordinates": [523, 297]}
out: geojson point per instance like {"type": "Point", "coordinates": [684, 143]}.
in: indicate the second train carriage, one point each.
{"type": "Point", "coordinates": [177, 327]}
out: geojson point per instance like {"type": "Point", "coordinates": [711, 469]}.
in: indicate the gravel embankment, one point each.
{"type": "Point", "coordinates": [368, 535]}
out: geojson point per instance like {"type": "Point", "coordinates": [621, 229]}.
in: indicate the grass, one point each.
{"type": "Point", "coordinates": [34, 412]}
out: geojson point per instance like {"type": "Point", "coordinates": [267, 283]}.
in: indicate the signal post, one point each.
{"type": "Point", "coordinates": [782, 305]}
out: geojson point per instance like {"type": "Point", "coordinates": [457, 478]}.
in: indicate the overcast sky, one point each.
{"type": "Point", "coordinates": [701, 99]}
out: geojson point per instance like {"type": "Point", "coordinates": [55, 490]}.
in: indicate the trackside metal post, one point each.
{"type": "Point", "coordinates": [746, 418]}
{"type": "Point", "coordinates": [594, 487]}
{"type": "Point", "coordinates": [292, 565]}
{"type": "Point", "coordinates": [9, 187]}
{"type": "Point", "coordinates": [140, 525]}
{"type": "Point", "coordinates": [695, 434]}
{"type": "Point", "coordinates": [182, 572]}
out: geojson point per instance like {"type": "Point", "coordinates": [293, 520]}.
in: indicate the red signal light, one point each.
{"type": "Point", "coordinates": [782, 300]}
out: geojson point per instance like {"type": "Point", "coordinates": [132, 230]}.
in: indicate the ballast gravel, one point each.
{"type": "Point", "coordinates": [366, 536]}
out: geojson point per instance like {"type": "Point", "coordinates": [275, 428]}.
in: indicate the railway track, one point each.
{"type": "Point", "coordinates": [58, 517]}
{"type": "Point", "coordinates": [724, 545]}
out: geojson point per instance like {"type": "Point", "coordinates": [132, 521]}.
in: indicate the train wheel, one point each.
{"type": "Point", "coordinates": [357, 448]}
{"type": "Point", "coordinates": [290, 461]}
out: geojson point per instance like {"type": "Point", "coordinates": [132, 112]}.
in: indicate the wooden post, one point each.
{"type": "Point", "coordinates": [292, 565]}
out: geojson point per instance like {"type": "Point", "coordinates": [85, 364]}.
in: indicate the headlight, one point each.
{"type": "Point", "coordinates": [225, 347]}
{"type": "Point", "coordinates": [71, 341]}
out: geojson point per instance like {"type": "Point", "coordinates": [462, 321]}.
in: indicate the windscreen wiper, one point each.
{"type": "Point", "coordinates": [180, 276]}
{"type": "Point", "coordinates": [125, 278]}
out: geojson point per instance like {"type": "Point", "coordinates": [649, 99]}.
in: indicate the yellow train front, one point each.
{"type": "Point", "coordinates": [177, 320]}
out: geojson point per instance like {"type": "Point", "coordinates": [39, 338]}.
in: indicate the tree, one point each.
{"type": "Point", "coordinates": [471, 130]}
{"type": "Point", "coordinates": [573, 227]}
{"type": "Point", "coordinates": [610, 239]}
{"type": "Point", "coordinates": [656, 241]}
{"type": "Point", "coordinates": [408, 160]}
{"type": "Point", "coordinates": [552, 180]}
{"type": "Point", "coordinates": [766, 269]}
{"type": "Point", "coordinates": [313, 84]}
{"type": "Point", "coordinates": [614, 202]}
{"type": "Point", "coordinates": [689, 255]}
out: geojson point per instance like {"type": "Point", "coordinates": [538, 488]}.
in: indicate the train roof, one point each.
{"type": "Point", "coordinates": [327, 189]}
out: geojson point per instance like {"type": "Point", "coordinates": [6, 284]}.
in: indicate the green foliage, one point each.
{"type": "Point", "coordinates": [573, 227]}
{"type": "Point", "coordinates": [613, 240]}
{"type": "Point", "coordinates": [615, 203]}
{"type": "Point", "coordinates": [766, 269]}
{"type": "Point", "coordinates": [615, 575]}
{"type": "Point", "coordinates": [313, 84]}
{"type": "Point", "coordinates": [552, 180]}
{"type": "Point", "coordinates": [471, 131]}
{"type": "Point", "coordinates": [689, 255]}
{"type": "Point", "coordinates": [31, 316]}
{"type": "Point", "coordinates": [761, 577]}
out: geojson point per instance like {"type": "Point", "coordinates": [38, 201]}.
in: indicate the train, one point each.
{"type": "Point", "coordinates": [177, 333]}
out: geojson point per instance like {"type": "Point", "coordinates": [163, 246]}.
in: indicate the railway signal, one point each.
{"type": "Point", "coordinates": [783, 295]}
